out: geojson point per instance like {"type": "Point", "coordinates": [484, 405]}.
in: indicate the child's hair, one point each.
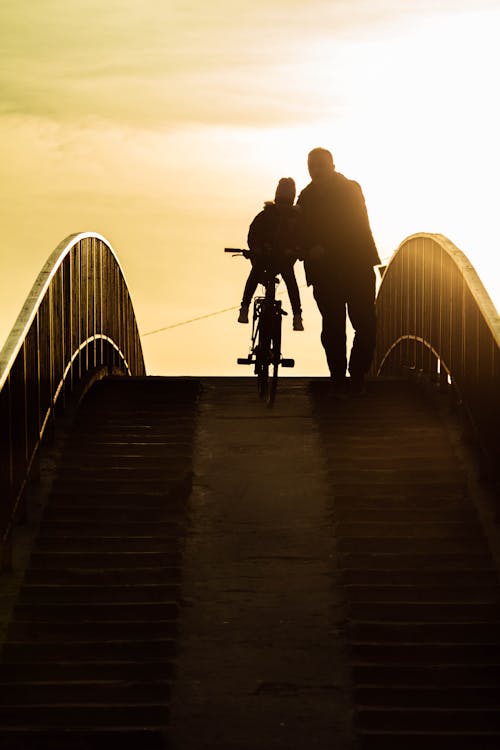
{"type": "Point", "coordinates": [285, 191]}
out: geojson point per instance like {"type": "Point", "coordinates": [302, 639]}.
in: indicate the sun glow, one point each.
{"type": "Point", "coordinates": [404, 97]}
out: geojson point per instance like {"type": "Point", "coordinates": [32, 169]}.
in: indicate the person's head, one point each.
{"type": "Point", "coordinates": [320, 164]}
{"type": "Point", "coordinates": [285, 191]}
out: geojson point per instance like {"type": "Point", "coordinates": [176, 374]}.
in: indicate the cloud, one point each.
{"type": "Point", "coordinates": [153, 63]}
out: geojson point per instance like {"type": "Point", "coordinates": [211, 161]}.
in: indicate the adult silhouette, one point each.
{"type": "Point", "coordinates": [339, 255]}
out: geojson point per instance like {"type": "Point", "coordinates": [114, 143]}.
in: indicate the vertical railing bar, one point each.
{"type": "Point", "coordinates": [63, 332]}
{"type": "Point", "coordinates": [6, 543]}
{"type": "Point", "coordinates": [38, 372]}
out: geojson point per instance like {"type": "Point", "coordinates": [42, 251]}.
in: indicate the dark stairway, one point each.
{"type": "Point", "coordinates": [420, 582]}
{"type": "Point", "coordinates": [88, 660]}
{"type": "Point", "coordinates": [90, 656]}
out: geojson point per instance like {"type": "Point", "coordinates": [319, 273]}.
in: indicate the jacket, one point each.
{"type": "Point", "coordinates": [334, 216]}
{"type": "Point", "coordinates": [276, 226]}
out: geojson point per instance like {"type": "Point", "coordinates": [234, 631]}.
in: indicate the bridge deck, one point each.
{"type": "Point", "coordinates": [212, 574]}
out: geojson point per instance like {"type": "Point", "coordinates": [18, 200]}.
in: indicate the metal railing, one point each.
{"type": "Point", "coordinates": [434, 316]}
{"type": "Point", "coordinates": [76, 323]}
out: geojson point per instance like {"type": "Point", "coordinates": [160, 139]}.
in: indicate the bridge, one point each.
{"type": "Point", "coordinates": [183, 568]}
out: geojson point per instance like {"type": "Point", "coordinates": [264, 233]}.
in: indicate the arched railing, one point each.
{"type": "Point", "coordinates": [435, 316]}
{"type": "Point", "coordinates": [76, 323]}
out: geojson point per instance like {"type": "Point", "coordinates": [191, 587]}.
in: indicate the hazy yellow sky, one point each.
{"type": "Point", "coordinates": [165, 125]}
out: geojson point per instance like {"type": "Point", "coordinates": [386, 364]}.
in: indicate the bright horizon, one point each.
{"type": "Point", "coordinates": [165, 129]}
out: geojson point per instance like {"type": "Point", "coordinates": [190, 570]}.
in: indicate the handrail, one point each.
{"type": "Point", "coordinates": [77, 321]}
{"type": "Point", "coordinates": [434, 316]}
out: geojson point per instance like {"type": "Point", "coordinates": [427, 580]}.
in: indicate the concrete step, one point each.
{"type": "Point", "coordinates": [135, 434]}
{"type": "Point", "coordinates": [422, 529]}
{"type": "Point", "coordinates": [124, 650]}
{"type": "Point", "coordinates": [430, 740]}
{"type": "Point", "coordinates": [142, 545]}
{"type": "Point", "coordinates": [87, 670]}
{"type": "Point", "coordinates": [350, 485]}
{"type": "Point", "coordinates": [424, 632]}
{"type": "Point", "coordinates": [419, 478]}
{"type": "Point", "coordinates": [451, 696]}
{"type": "Point", "coordinates": [171, 494]}
{"type": "Point", "coordinates": [424, 675]}
{"type": "Point", "coordinates": [54, 594]}
{"type": "Point", "coordinates": [62, 561]}
{"type": "Point", "coordinates": [360, 561]}
{"type": "Point", "coordinates": [87, 576]}
{"type": "Point", "coordinates": [99, 527]}
{"type": "Point", "coordinates": [83, 692]}
{"type": "Point", "coordinates": [117, 514]}
{"type": "Point", "coordinates": [93, 630]}
{"type": "Point", "coordinates": [395, 514]}
{"type": "Point", "coordinates": [425, 612]}
{"type": "Point", "coordinates": [119, 485]}
{"type": "Point", "coordinates": [128, 469]}
{"type": "Point", "coordinates": [84, 716]}
{"type": "Point", "coordinates": [411, 545]}
{"type": "Point", "coordinates": [131, 738]}
{"type": "Point", "coordinates": [106, 610]}
{"type": "Point", "coordinates": [425, 653]}
{"type": "Point", "coordinates": [418, 577]}
{"type": "Point", "coordinates": [424, 593]}
{"type": "Point", "coordinates": [428, 719]}
{"type": "Point", "coordinates": [417, 500]}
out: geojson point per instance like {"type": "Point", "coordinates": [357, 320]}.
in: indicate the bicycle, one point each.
{"type": "Point", "coordinates": [265, 343]}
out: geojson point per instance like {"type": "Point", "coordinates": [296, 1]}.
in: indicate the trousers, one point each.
{"type": "Point", "coordinates": [355, 294]}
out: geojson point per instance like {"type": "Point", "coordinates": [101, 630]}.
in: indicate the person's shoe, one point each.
{"type": "Point", "coordinates": [357, 386]}
{"type": "Point", "coordinates": [297, 322]}
{"type": "Point", "coordinates": [243, 316]}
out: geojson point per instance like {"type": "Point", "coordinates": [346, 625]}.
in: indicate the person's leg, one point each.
{"type": "Point", "coordinates": [251, 285]}
{"type": "Point", "coordinates": [331, 304]}
{"type": "Point", "coordinates": [361, 309]}
{"type": "Point", "coordinates": [248, 292]}
{"type": "Point", "coordinates": [288, 275]}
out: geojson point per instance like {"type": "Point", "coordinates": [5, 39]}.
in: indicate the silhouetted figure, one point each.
{"type": "Point", "coordinates": [275, 230]}
{"type": "Point", "coordinates": [339, 254]}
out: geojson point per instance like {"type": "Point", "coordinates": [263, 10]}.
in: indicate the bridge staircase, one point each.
{"type": "Point", "coordinates": [378, 551]}
{"type": "Point", "coordinates": [89, 655]}
{"type": "Point", "coordinates": [419, 574]}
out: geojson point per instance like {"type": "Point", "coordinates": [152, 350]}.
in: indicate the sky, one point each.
{"type": "Point", "coordinates": [164, 126]}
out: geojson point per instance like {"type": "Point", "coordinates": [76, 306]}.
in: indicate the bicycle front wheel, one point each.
{"type": "Point", "coordinates": [263, 355]}
{"type": "Point", "coordinates": [274, 360]}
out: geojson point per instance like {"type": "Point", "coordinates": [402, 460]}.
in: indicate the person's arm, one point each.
{"type": "Point", "coordinates": [363, 224]}
{"type": "Point", "coordinates": [308, 245]}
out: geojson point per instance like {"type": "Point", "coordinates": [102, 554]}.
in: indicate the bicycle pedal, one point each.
{"type": "Point", "coordinates": [244, 361]}
{"type": "Point", "coordinates": [287, 363]}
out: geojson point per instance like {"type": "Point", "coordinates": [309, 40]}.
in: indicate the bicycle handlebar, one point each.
{"type": "Point", "coordinates": [238, 251]}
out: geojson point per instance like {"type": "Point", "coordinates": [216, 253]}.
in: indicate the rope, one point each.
{"type": "Point", "coordinates": [192, 320]}
{"type": "Point", "coordinates": [208, 315]}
